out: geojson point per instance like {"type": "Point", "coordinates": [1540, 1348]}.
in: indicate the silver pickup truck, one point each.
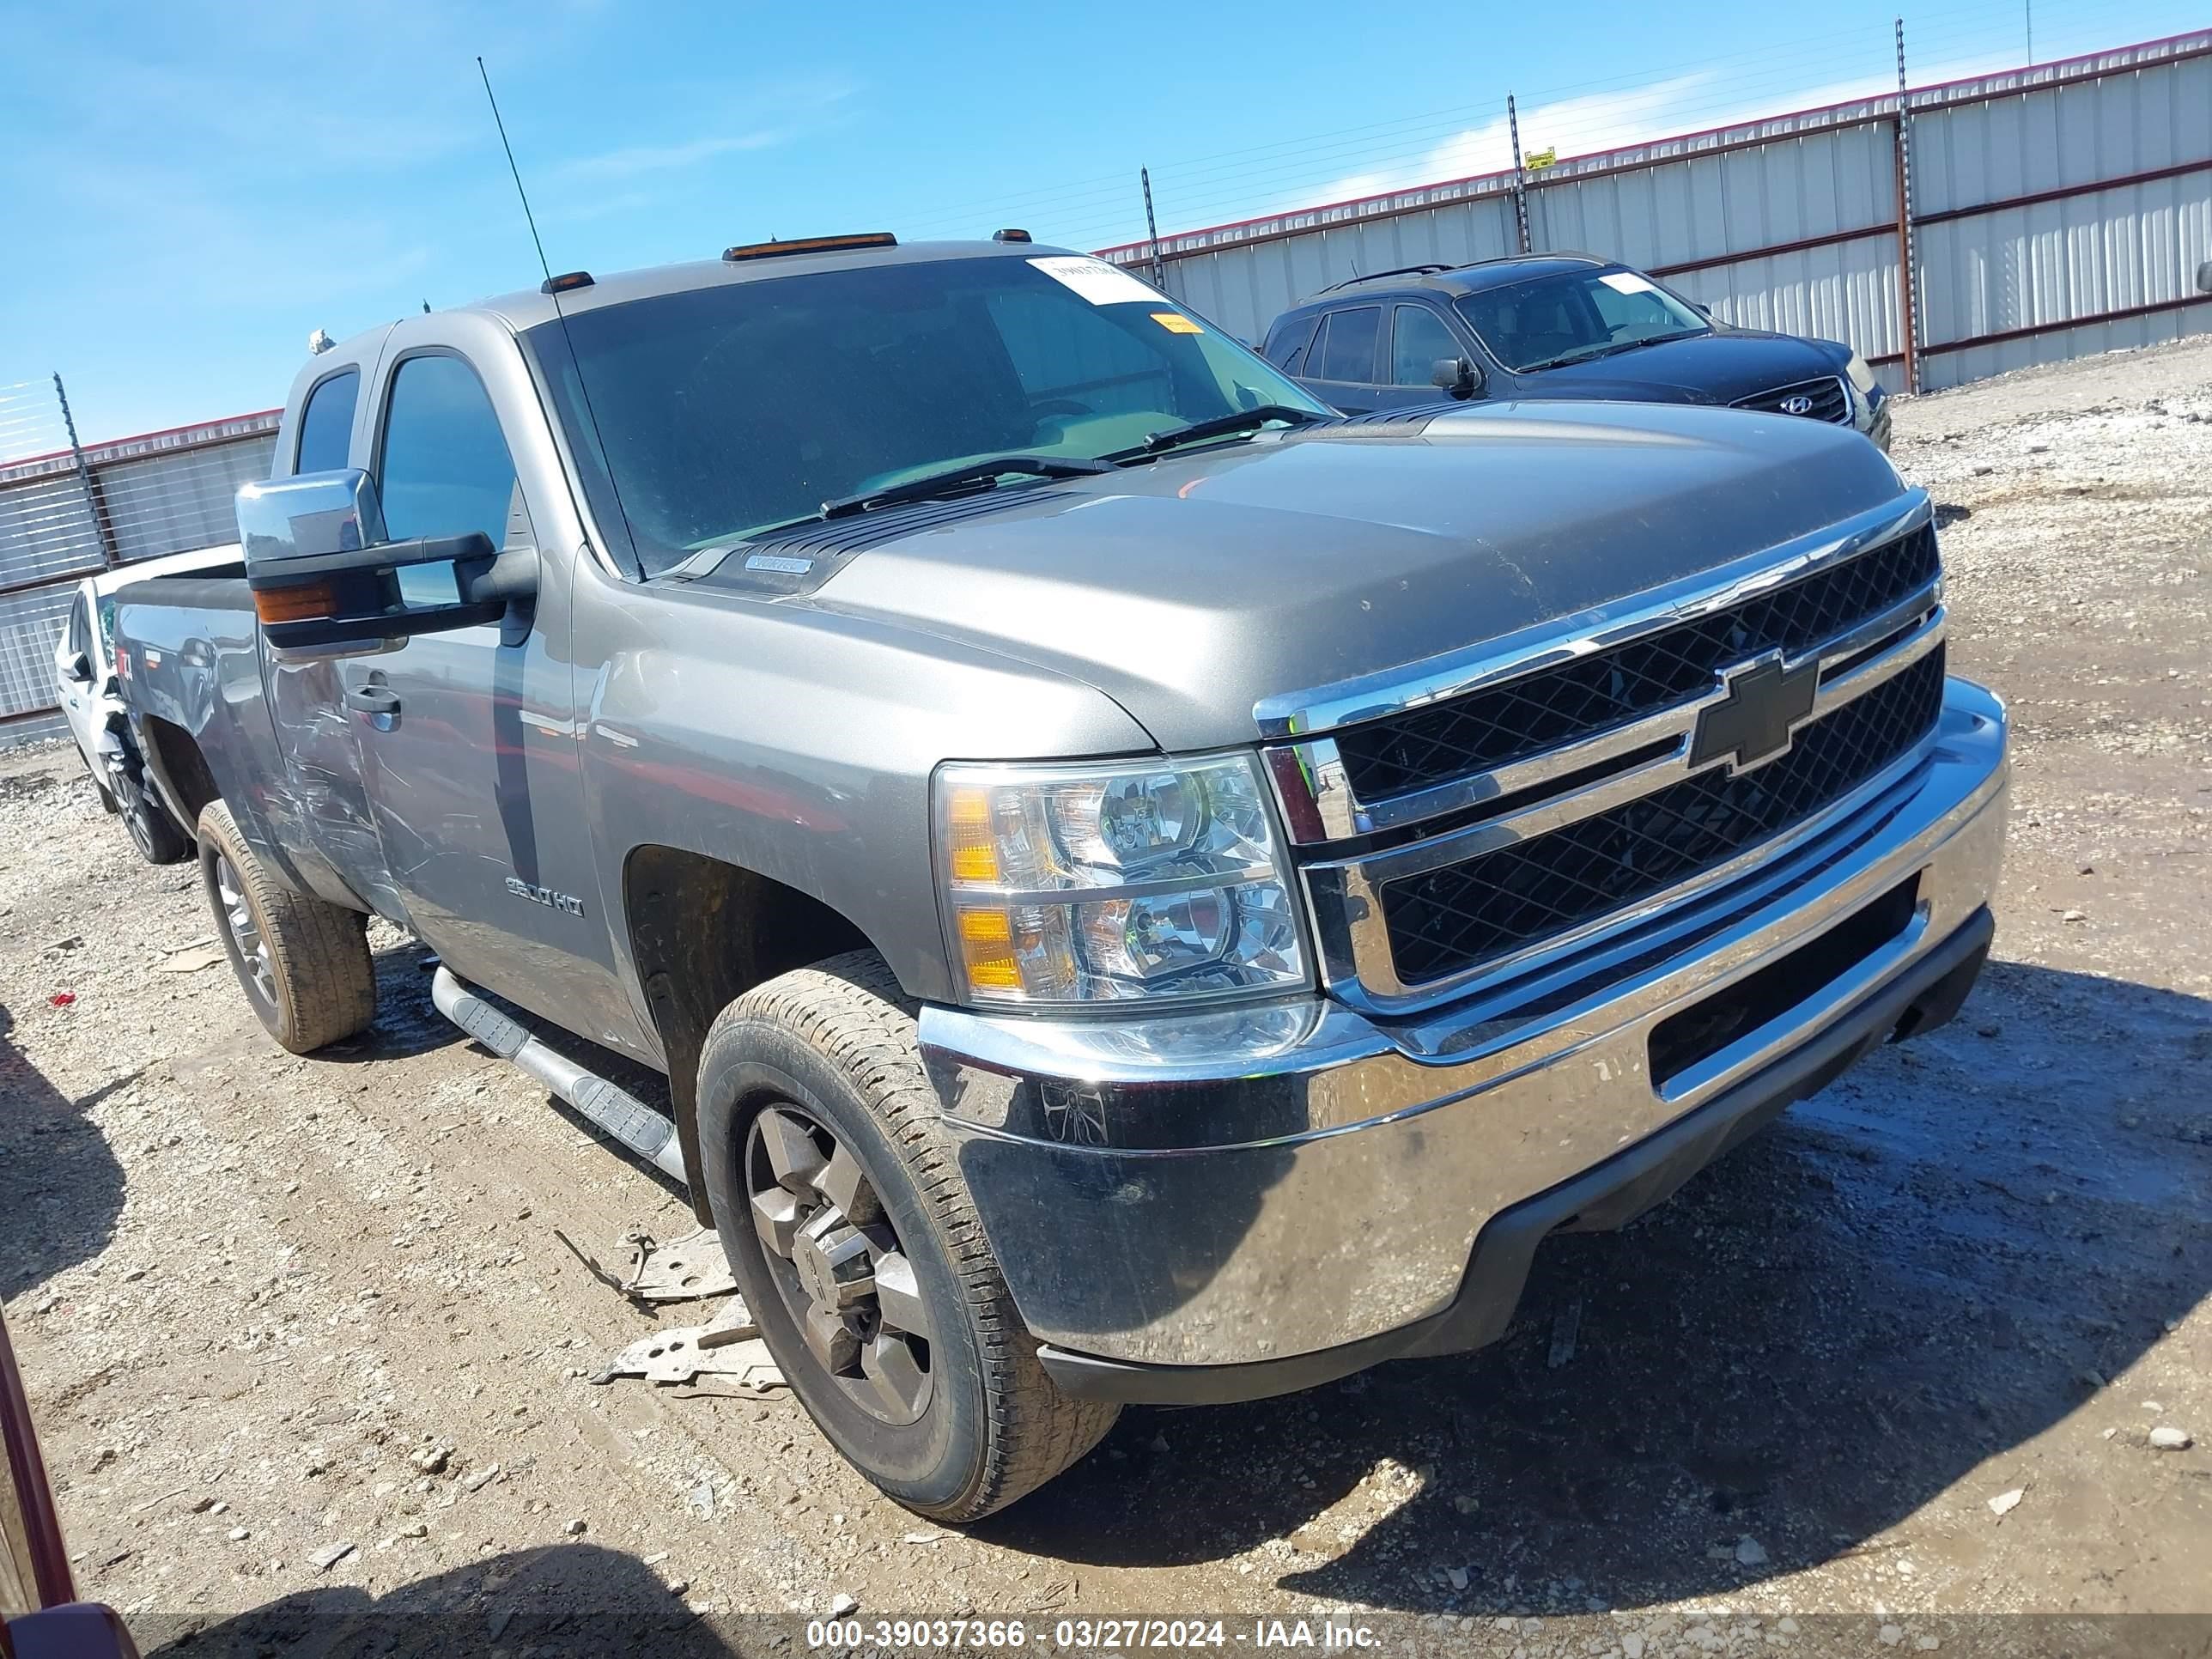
{"type": "Point", "coordinates": [1143, 889]}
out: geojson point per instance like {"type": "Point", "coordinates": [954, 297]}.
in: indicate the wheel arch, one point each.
{"type": "Point", "coordinates": [702, 932]}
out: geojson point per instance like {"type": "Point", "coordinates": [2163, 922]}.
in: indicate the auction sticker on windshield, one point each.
{"type": "Point", "coordinates": [1095, 280]}
{"type": "Point", "coordinates": [1626, 281]}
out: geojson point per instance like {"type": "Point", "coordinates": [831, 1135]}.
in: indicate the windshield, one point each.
{"type": "Point", "coordinates": [1575, 316]}
{"type": "Point", "coordinates": [726, 410]}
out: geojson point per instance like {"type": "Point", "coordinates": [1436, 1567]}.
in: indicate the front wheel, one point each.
{"type": "Point", "coordinates": [841, 1208]}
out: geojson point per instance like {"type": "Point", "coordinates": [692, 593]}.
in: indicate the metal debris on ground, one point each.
{"type": "Point", "coordinates": [692, 1268]}
{"type": "Point", "coordinates": [192, 959]}
{"type": "Point", "coordinates": [724, 1354]}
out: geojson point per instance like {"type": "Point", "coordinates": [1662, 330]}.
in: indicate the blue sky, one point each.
{"type": "Point", "coordinates": [187, 191]}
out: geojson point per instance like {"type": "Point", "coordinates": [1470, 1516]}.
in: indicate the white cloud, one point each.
{"type": "Point", "coordinates": [635, 160]}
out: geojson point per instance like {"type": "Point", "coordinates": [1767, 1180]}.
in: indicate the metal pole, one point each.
{"type": "Point", "coordinates": [1908, 273]}
{"type": "Point", "coordinates": [2029, 6]}
{"type": "Point", "coordinates": [1153, 230]}
{"type": "Point", "coordinates": [100, 531]}
{"type": "Point", "coordinates": [1520, 191]}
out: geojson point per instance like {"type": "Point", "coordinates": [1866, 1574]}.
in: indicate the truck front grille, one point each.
{"type": "Point", "coordinates": [1474, 733]}
{"type": "Point", "coordinates": [1445, 922]}
{"type": "Point", "coordinates": [1825, 399]}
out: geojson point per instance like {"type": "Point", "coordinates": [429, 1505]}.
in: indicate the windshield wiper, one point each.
{"type": "Point", "coordinates": [1220, 426]}
{"type": "Point", "coordinates": [1590, 354]}
{"type": "Point", "coordinates": [958, 480]}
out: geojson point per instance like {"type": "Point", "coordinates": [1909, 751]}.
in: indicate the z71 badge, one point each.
{"type": "Point", "coordinates": [564, 903]}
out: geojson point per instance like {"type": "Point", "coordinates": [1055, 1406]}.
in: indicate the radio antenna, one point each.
{"type": "Point", "coordinates": [553, 293]}
{"type": "Point", "coordinates": [529, 217]}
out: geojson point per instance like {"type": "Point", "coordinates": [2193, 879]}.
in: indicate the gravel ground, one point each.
{"type": "Point", "coordinates": [309, 1342]}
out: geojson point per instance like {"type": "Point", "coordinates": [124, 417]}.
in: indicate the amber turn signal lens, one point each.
{"type": "Point", "coordinates": [302, 602]}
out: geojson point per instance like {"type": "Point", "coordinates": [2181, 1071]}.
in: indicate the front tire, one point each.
{"type": "Point", "coordinates": [302, 961]}
{"type": "Point", "coordinates": [849, 1229]}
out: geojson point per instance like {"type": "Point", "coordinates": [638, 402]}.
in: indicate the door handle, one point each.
{"type": "Point", "coordinates": [378, 701]}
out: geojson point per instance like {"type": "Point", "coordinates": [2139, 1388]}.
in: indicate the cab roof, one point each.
{"type": "Point", "coordinates": [528, 307]}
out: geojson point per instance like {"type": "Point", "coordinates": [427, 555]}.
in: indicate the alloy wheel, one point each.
{"type": "Point", "coordinates": [245, 931]}
{"type": "Point", "coordinates": [847, 1283]}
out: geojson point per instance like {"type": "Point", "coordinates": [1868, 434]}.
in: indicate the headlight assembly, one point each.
{"type": "Point", "coordinates": [1862, 376]}
{"type": "Point", "coordinates": [1109, 881]}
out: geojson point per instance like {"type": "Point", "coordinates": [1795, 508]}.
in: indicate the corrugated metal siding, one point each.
{"type": "Point", "coordinates": [1244, 288]}
{"type": "Point", "coordinates": [46, 530]}
{"type": "Point", "coordinates": [1951, 369]}
{"type": "Point", "coordinates": [162, 492]}
{"type": "Point", "coordinates": [1696, 206]}
{"type": "Point", "coordinates": [173, 503]}
{"type": "Point", "coordinates": [30, 627]}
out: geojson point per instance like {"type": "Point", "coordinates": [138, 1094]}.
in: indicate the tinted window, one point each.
{"type": "Point", "coordinates": [1347, 349]}
{"type": "Point", "coordinates": [1287, 345]}
{"type": "Point", "coordinates": [1575, 315]}
{"type": "Point", "coordinates": [724, 411]}
{"type": "Point", "coordinates": [445, 466]}
{"type": "Point", "coordinates": [1418, 338]}
{"type": "Point", "coordinates": [327, 424]}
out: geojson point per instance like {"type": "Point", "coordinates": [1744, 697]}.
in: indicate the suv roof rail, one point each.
{"type": "Point", "coordinates": [1395, 270]}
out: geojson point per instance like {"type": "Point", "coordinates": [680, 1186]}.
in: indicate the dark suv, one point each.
{"type": "Point", "coordinates": [1557, 326]}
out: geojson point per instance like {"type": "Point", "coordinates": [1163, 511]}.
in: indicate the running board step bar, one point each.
{"type": "Point", "coordinates": [616, 1111]}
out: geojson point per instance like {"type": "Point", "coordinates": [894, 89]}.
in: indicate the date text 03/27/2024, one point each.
{"type": "Point", "coordinates": [1086, 1635]}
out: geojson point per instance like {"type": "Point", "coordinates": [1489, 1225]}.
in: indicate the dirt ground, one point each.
{"type": "Point", "coordinates": [247, 1289]}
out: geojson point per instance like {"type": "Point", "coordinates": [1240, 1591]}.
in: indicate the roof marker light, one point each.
{"type": "Point", "coordinates": [1011, 235]}
{"type": "Point", "coordinates": [810, 244]}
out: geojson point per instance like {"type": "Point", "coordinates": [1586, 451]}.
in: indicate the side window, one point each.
{"type": "Point", "coordinates": [1418, 338]}
{"type": "Point", "coordinates": [77, 636]}
{"type": "Point", "coordinates": [1347, 347]}
{"type": "Point", "coordinates": [1286, 346]}
{"type": "Point", "coordinates": [327, 424]}
{"type": "Point", "coordinates": [446, 470]}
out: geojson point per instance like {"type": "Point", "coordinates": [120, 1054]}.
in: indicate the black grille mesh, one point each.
{"type": "Point", "coordinates": [1448, 920]}
{"type": "Point", "coordinates": [1829, 401]}
{"type": "Point", "coordinates": [1484, 729]}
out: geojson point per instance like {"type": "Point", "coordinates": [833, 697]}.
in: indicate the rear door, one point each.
{"type": "Point", "coordinates": [1340, 364]}
{"type": "Point", "coordinates": [326, 797]}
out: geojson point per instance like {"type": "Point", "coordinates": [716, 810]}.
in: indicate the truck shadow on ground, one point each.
{"type": "Point", "coordinates": [553, 1600]}
{"type": "Point", "coordinates": [61, 1186]}
{"type": "Point", "coordinates": [1933, 1262]}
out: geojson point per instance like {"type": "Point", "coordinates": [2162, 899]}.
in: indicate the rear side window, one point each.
{"type": "Point", "coordinates": [327, 424]}
{"type": "Point", "coordinates": [1347, 347]}
{"type": "Point", "coordinates": [447, 470]}
{"type": "Point", "coordinates": [1418, 338]}
{"type": "Point", "coordinates": [1287, 345]}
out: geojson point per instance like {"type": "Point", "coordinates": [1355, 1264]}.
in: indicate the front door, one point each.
{"type": "Point", "coordinates": [466, 737]}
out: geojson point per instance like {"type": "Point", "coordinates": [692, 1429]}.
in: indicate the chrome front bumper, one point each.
{"type": "Point", "coordinates": [1242, 1188]}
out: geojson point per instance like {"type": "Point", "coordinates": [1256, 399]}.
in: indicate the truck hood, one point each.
{"type": "Point", "coordinates": [1193, 588]}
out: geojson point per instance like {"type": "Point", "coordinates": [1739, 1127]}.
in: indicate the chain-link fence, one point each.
{"type": "Point", "coordinates": [69, 510]}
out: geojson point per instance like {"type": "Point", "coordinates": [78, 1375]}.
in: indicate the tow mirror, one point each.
{"type": "Point", "coordinates": [78, 668]}
{"type": "Point", "coordinates": [1457, 376]}
{"type": "Point", "coordinates": [323, 572]}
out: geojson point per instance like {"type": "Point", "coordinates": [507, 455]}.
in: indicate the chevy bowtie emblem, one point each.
{"type": "Point", "coordinates": [1764, 706]}
{"type": "Point", "coordinates": [1796, 403]}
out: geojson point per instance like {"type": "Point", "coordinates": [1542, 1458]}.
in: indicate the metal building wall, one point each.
{"type": "Point", "coordinates": [2118, 174]}
{"type": "Point", "coordinates": [66, 514]}
{"type": "Point", "coordinates": [2061, 208]}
